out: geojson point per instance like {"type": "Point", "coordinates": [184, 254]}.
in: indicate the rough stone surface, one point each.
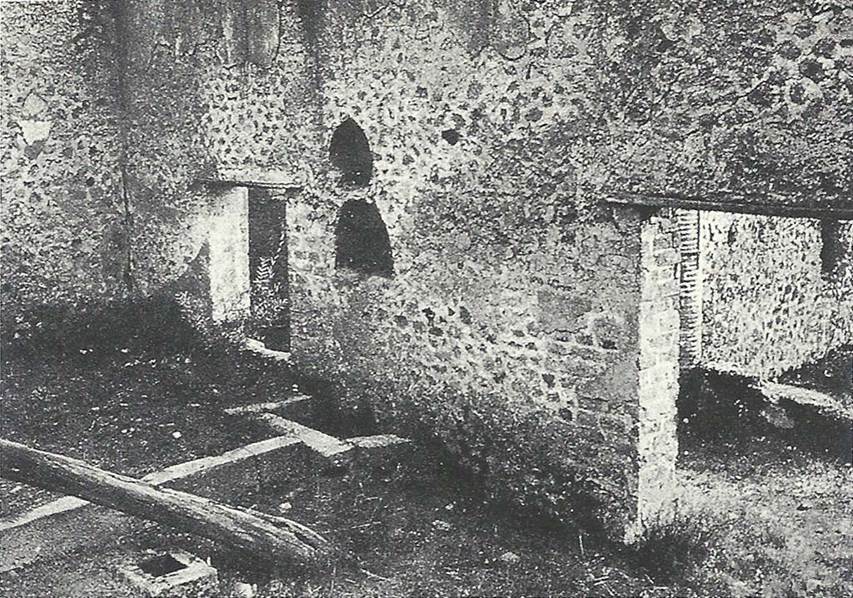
{"type": "Point", "coordinates": [768, 304]}
{"type": "Point", "coordinates": [63, 220]}
{"type": "Point", "coordinates": [659, 369]}
{"type": "Point", "coordinates": [228, 246]}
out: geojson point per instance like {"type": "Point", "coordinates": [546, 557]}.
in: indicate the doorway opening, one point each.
{"type": "Point", "coordinates": [268, 276]}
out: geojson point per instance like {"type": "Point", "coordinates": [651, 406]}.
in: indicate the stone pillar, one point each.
{"type": "Point", "coordinates": [658, 370]}
{"type": "Point", "coordinates": [228, 243]}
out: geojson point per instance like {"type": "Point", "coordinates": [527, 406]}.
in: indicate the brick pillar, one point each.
{"type": "Point", "coordinates": [690, 301]}
{"type": "Point", "coordinates": [658, 370]}
{"type": "Point", "coordinates": [228, 243]}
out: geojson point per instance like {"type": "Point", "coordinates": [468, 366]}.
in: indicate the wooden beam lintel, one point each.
{"type": "Point", "coordinates": [736, 204]}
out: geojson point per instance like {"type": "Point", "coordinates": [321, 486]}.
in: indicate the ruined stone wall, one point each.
{"type": "Point", "coordinates": [63, 223]}
{"type": "Point", "coordinates": [511, 328]}
{"type": "Point", "coordinates": [769, 304]}
{"type": "Point", "coordinates": [502, 126]}
{"type": "Point", "coordinates": [697, 98]}
{"type": "Point", "coordinates": [523, 365]}
{"type": "Point", "coordinates": [213, 91]}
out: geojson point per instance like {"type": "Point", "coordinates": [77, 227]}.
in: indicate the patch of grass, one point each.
{"type": "Point", "coordinates": [783, 529]}
{"type": "Point", "coordinates": [666, 552]}
{"type": "Point", "coordinates": [132, 411]}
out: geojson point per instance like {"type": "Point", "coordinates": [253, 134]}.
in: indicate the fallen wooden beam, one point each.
{"type": "Point", "coordinates": [265, 537]}
{"type": "Point", "coordinates": [52, 530]}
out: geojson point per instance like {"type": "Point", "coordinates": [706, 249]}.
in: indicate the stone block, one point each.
{"type": "Point", "coordinates": [172, 574]}
{"type": "Point", "coordinates": [228, 245]}
{"type": "Point", "coordinates": [558, 312]}
{"type": "Point", "coordinates": [608, 332]}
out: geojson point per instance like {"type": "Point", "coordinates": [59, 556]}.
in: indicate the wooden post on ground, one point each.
{"type": "Point", "coordinates": [262, 536]}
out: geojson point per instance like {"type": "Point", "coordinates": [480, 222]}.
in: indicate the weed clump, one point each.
{"type": "Point", "coordinates": [669, 551]}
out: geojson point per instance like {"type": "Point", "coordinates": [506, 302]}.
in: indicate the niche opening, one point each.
{"type": "Point", "coordinates": [361, 240]}
{"type": "Point", "coordinates": [831, 250]}
{"type": "Point", "coordinates": [350, 153]}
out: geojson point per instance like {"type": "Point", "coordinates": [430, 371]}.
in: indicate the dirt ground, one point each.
{"type": "Point", "coordinates": [405, 531]}
{"type": "Point", "coordinates": [132, 414]}
{"type": "Point", "coordinates": [760, 517]}
{"type": "Point", "coordinates": [774, 519]}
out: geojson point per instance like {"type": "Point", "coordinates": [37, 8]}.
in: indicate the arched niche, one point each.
{"type": "Point", "coordinates": [350, 154]}
{"type": "Point", "coordinates": [361, 240]}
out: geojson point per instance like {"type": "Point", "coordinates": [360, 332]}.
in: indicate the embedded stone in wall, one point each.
{"type": "Point", "coordinates": [34, 131]}
{"type": "Point", "coordinates": [35, 127]}
{"type": "Point", "coordinates": [559, 313]}
{"type": "Point", "coordinates": [234, 32]}
{"type": "Point", "coordinates": [607, 331]}
{"type": "Point", "coordinates": [511, 31]}
{"type": "Point", "coordinates": [262, 31]}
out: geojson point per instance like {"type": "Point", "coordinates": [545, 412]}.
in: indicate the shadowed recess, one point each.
{"type": "Point", "coordinates": [350, 154]}
{"type": "Point", "coordinates": [361, 240]}
{"type": "Point", "coordinates": [831, 250]}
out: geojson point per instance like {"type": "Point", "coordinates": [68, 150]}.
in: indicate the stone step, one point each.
{"type": "Point", "coordinates": [373, 449]}
{"type": "Point", "coordinates": [822, 403]}
{"type": "Point", "coordinates": [337, 452]}
{"type": "Point", "coordinates": [818, 418]}
{"type": "Point", "coordinates": [385, 447]}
